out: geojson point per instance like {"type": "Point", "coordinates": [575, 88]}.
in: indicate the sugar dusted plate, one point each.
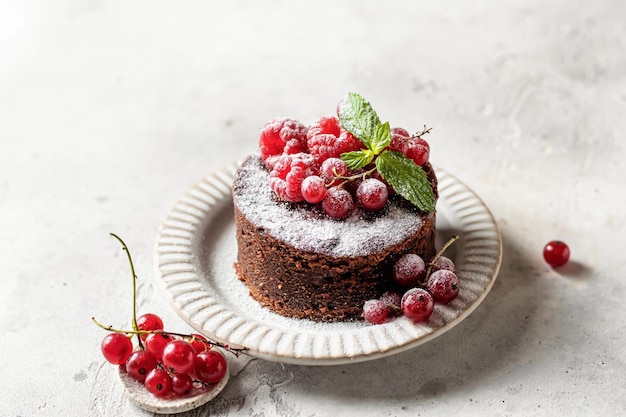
{"type": "Point", "coordinates": [196, 248]}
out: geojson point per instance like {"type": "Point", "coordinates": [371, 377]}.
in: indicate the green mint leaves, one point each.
{"type": "Point", "coordinates": [406, 177]}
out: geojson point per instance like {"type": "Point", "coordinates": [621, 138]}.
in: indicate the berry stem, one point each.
{"type": "Point", "coordinates": [362, 175]}
{"type": "Point", "coordinates": [190, 337]}
{"type": "Point", "coordinates": [423, 132]}
{"type": "Point", "coordinates": [134, 277]}
{"type": "Point", "coordinates": [449, 243]}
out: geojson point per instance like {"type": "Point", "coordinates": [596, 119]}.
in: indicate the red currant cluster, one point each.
{"type": "Point", "coordinates": [305, 164]}
{"type": "Point", "coordinates": [437, 283]}
{"type": "Point", "coordinates": [168, 364]}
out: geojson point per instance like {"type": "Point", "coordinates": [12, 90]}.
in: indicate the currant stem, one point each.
{"type": "Point", "coordinates": [362, 175]}
{"type": "Point", "coordinates": [190, 337]}
{"type": "Point", "coordinates": [449, 243]}
{"type": "Point", "coordinates": [132, 270]}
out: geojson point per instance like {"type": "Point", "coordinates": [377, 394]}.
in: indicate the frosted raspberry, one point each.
{"type": "Point", "coordinates": [287, 174]}
{"type": "Point", "coordinates": [282, 135]}
{"type": "Point", "coordinates": [327, 139]}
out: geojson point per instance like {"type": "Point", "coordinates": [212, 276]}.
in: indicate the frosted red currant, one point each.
{"type": "Point", "coordinates": [178, 355]}
{"type": "Point", "coordinates": [409, 270]}
{"type": "Point", "coordinates": [337, 203]}
{"type": "Point", "coordinates": [443, 285]}
{"type": "Point", "coordinates": [313, 189]}
{"type": "Point", "coordinates": [372, 194]}
{"type": "Point", "coordinates": [116, 348]}
{"type": "Point", "coordinates": [210, 366]}
{"type": "Point", "coordinates": [556, 253]}
{"type": "Point", "coordinates": [332, 168]}
{"type": "Point", "coordinates": [418, 151]}
{"type": "Point", "coordinates": [417, 304]}
{"type": "Point", "coordinates": [392, 300]}
{"type": "Point", "coordinates": [375, 311]}
{"type": "Point", "coordinates": [158, 382]}
{"type": "Point", "coordinates": [139, 364]}
{"type": "Point", "coordinates": [444, 262]}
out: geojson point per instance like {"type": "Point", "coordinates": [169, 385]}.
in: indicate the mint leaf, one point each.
{"type": "Point", "coordinates": [381, 138]}
{"type": "Point", "coordinates": [357, 159]}
{"type": "Point", "coordinates": [359, 118]}
{"type": "Point", "coordinates": [407, 178]}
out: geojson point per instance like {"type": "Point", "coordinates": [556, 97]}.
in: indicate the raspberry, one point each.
{"type": "Point", "coordinates": [282, 135]}
{"type": "Point", "coordinates": [327, 139]}
{"type": "Point", "coordinates": [287, 175]}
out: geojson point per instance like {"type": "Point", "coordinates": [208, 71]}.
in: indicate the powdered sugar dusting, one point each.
{"type": "Point", "coordinates": [360, 234]}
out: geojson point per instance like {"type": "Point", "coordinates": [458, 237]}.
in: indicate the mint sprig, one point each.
{"type": "Point", "coordinates": [408, 179]}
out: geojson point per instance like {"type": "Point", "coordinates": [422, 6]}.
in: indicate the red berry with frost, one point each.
{"type": "Point", "coordinates": [556, 253]}
{"type": "Point", "coordinates": [417, 304]}
{"type": "Point", "coordinates": [444, 262]}
{"type": "Point", "coordinates": [158, 382]}
{"type": "Point", "coordinates": [327, 139]}
{"type": "Point", "coordinates": [116, 348]}
{"type": "Point", "coordinates": [375, 311]}
{"type": "Point", "coordinates": [282, 135]}
{"type": "Point", "coordinates": [399, 143]}
{"type": "Point", "coordinates": [418, 151]}
{"type": "Point", "coordinates": [409, 270]}
{"type": "Point", "coordinates": [210, 366]}
{"type": "Point", "coordinates": [288, 173]}
{"type": "Point", "coordinates": [372, 194]}
{"type": "Point", "coordinates": [393, 301]}
{"type": "Point", "coordinates": [337, 203]}
{"type": "Point", "coordinates": [443, 285]}
{"type": "Point", "coordinates": [139, 364]}
{"type": "Point", "coordinates": [313, 189]}
{"type": "Point", "coordinates": [400, 131]}
{"type": "Point", "coordinates": [178, 356]}
{"type": "Point", "coordinates": [332, 168]}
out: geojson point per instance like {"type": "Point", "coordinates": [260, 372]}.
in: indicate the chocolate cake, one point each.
{"type": "Point", "coordinates": [301, 263]}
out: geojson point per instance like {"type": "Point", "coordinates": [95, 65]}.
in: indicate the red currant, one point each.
{"type": "Point", "coordinates": [210, 366]}
{"type": "Point", "coordinates": [417, 304]}
{"type": "Point", "coordinates": [443, 285]}
{"type": "Point", "coordinates": [178, 355]}
{"type": "Point", "coordinates": [372, 194]}
{"type": "Point", "coordinates": [116, 348]}
{"type": "Point", "coordinates": [200, 343]}
{"type": "Point", "coordinates": [444, 262]}
{"type": "Point", "coordinates": [332, 168]}
{"type": "Point", "coordinates": [409, 270]}
{"type": "Point", "coordinates": [418, 151]}
{"type": "Point", "coordinates": [337, 203]}
{"type": "Point", "coordinates": [139, 364]}
{"type": "Point", "coordinates": [158, 382]}
{"type": "Point", "coordinates": [182, 384]}
{"type": "Point", "coordinates": [313, 189]}
{"type": "Point", "coordinates": [155, 343]}
{"type": "Point", "coordinates": [149, 321]}
{"type": "Point", "coordinates": [375, 311]}
{"type": "Point", "coordinates": [556, 253]}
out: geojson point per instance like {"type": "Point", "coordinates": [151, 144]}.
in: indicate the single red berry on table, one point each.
{"type": "Point", "coordinates": [116, 348]}
{"type": "Point", "coordinates": [443, 285]}
{"type": "Point", "coordinates": [375, 311]}
{"type": "Point", "coordinates": [556, 253]}
{"type": "Point", "coordinates": [178, 355]}
{"type": "Point", "coordinates": [210, 366]}
{"type": "Point", "coordinates": [139, 364]}
{"type": "Point", "coordinates": [417, 304]}
{"type": "Point", "coordinates": [158, 382]}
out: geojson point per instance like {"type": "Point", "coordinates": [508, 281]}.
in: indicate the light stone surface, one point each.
{"type": "Point", "coordinates": [109, 111]}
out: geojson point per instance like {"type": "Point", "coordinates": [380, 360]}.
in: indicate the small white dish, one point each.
{"type": "Point", "coordinates": [144, 399]}
{"type": "Point", "coordinates": [196, 248]}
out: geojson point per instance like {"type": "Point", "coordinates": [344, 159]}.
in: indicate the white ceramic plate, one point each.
{"type": "Point", "coordinates": [143, 398]}
{"type": "Point", "coordinates": [196, 249]}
